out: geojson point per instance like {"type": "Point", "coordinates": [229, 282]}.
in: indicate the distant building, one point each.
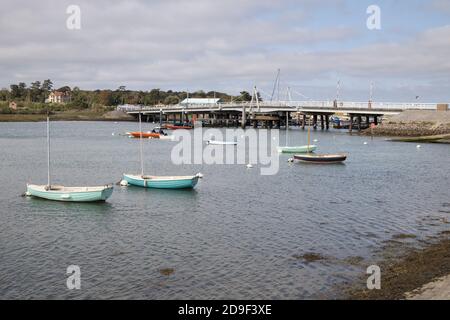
{"type": "Point", "coordinates": [209, 101]}
{"type": "Point", "coordinates": [13, 105]}
{"type": "Point", "coordinates": [59, 97]}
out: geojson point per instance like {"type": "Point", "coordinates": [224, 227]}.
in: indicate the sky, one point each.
{"type": "Point", "coordinates": [233, 45]}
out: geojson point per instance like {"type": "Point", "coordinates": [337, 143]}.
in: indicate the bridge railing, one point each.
{"type": "Point", "coordinates": [285, 104]}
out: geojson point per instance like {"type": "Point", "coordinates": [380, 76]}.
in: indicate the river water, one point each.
{"type": "Point", "coordinates": [238, 235]}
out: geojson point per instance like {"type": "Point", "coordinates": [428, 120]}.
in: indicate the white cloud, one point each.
{"type": "Point", "coordinates": [222, 45]}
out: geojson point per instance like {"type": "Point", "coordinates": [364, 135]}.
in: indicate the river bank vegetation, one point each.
{"type": "Point", "coordinates": [31, 99]}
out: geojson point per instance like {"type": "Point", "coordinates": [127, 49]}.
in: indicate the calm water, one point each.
{"type": "Point", "coordinates": [236, 235]}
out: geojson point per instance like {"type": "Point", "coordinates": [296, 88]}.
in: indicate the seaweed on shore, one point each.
{"type": "Point", "coordinates": [407, 272]}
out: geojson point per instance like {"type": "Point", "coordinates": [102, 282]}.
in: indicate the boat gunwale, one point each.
{"type": "Point", "coordinates": [63, 189]}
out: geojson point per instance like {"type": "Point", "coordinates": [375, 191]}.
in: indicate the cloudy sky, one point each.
{"type": "Point", "coordinates": [230, 45]}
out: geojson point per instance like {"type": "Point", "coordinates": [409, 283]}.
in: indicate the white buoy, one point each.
{"type": "Point", "coordinates": [315, 140]}
{"type": "Point", "coordinates": [199, 175]}
{"type": "Point", "coordinates": [249, 166]}
{"type": "Point", "coordinates": [112, 134]}
{"type": "Point", "coordinates": [291, 160]}
{"type": "Point", "coordinates": [419, 146]}
{"type": "Point", "coordinates": [124, 183]}
{"type": "Point", "coordinates": [365, 142]}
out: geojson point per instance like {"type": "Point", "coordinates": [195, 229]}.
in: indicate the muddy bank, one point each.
{"type": "Point", "coordinates": [84, 115]}
{"type": "Point", "coordinates": [414, 129]}
{"type": "Point", "coordinates": [414, 124]}
{"type": "Point", "coordinates": [411, 274]}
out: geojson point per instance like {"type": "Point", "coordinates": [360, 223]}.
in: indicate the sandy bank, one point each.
{"type": "Point", "coordinates": [414, 123]}
{"type": "Point", "coordinates": [436, 290]}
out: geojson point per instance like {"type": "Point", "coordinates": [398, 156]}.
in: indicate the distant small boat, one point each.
{"type": "Point", "coordinates": [298, 149]}
{"type": "Point", "coordinates": [162, 182]}
{"type": "Point", "coordinates": [321, 158]}
{"type": "Point", "coordinates": [295, 149]}
{"type": "Point", "coordinates": [69, 194]}
{"type": "Point", "coordinates": [176, 127]}
{"type": "Point", "coordinates": [215, 142]}
{"type": "Point", "coordinates": [146, 135]}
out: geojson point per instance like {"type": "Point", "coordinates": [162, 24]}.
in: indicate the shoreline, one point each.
{"type": "Point", "coordinates": [418, 273]}
{"type": "Point", "coordinates": [414, 126]}
{"type": "Point", "coordinates": [82, 115]}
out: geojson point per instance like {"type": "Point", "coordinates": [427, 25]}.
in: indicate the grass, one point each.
{"type": "Point", "coordinates": [70, 115]}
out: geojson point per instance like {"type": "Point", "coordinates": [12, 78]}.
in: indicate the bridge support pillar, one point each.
{"type": "Point", "coordinates": [327, 122]}
{"type": "Point", "coordinates": [375, 120]}
{"type": "Point", "coordinates": [315, 121]}
{"type": "Point", "coordinates": [322, 122]}
{"type": "Point", "coordinates": [287, 120]}
{"type": "Point", "coordinates": [304, 122]}
{"type": "Point", "coordinates": [351, 123]}
{"type": "Point", "coordinates": [244, 118]}
{"type": "Point", "coordinates": [359, 119]}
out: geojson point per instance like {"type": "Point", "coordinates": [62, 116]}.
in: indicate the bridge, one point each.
{"type": "Point", "coordinates": [274, 113]}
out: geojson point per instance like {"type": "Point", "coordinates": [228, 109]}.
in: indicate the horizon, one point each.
{"type": "Point", "coordinates": [211, 46]}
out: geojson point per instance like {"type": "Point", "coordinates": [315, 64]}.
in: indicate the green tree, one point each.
{"type": "Point", "coordinates": [4, 94]}
{"type": "Point", "coordinates": [36, 92]}
{"type": "Point", "coordinates": [171, 100]}
{"type": "Point", "coordinates": [245, 96]}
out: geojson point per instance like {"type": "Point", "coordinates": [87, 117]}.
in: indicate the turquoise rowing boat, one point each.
{"type": "Point", "coordinates": [158, 182]}
{"type": "Point", "coordinates": [162, 182]}
{"type": "Point", "coordinates": [70, 194]}
{"type": "Point", "coordinates": [67, 194]}
{"type": "Point", "coordinates": [298, 149]}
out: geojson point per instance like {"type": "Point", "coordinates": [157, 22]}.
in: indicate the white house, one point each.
{"type": "Point", "coordinates": [59, 97]}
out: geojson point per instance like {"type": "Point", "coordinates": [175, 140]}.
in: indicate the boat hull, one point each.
{"type": "Point", "coordinates": [161, 182]}
{"type": "Point", "coordinates": [175, 127]}
{"type": "Point", "coordinates": [76, 194]}
{"type": "Point", "coordinates": [298, 149]}
{"type": "Point", "coordinates": [321, 159]}
{"type": "Point", "coordinates": [145, 135]}
{"type": "Point", "coordinates": [222, 143]}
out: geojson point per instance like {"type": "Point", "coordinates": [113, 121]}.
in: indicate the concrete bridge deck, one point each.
{"type": "Point", "coordinates": [279, 113]}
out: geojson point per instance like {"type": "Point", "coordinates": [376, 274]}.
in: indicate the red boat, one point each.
{"type": "Point", "coordinates": [146, 135]}
{"type": "Point", "coordinates": [175, 127]}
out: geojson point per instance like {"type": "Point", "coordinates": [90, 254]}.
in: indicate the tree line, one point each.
{"type": "Point", "coordinates": [37, 92]}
